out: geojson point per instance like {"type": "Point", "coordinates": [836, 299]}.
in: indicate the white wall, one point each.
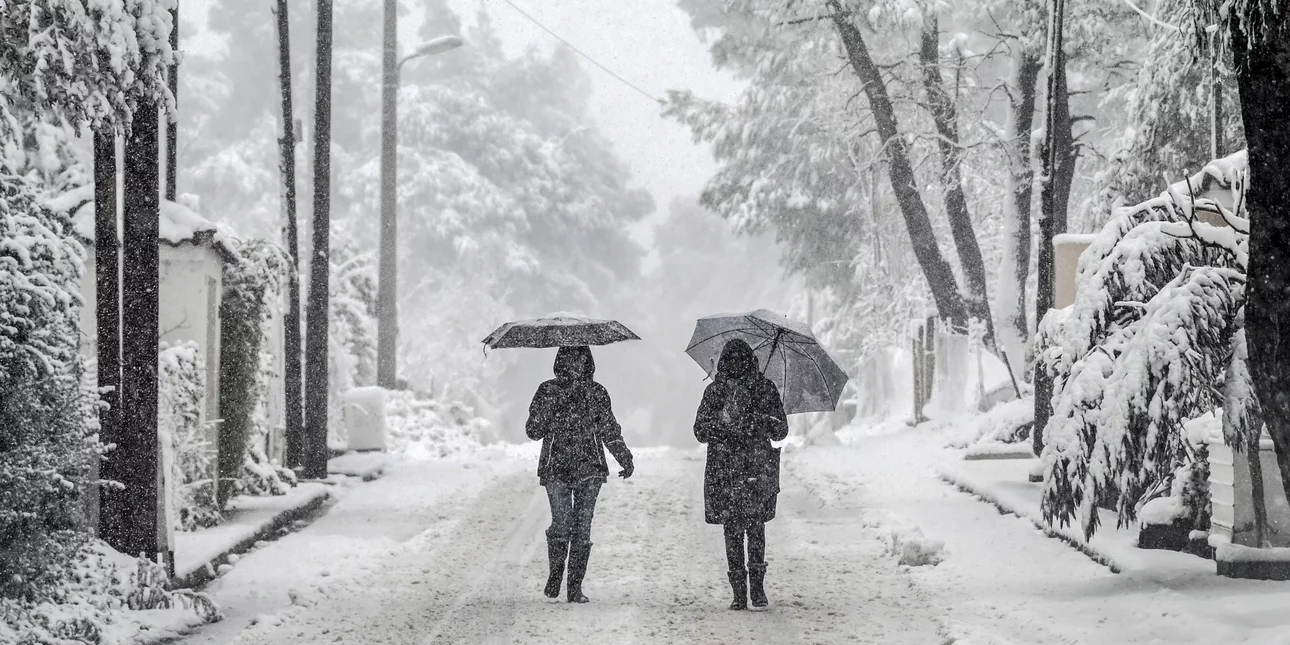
{"type": "Point", "coordinates": [191, 280]}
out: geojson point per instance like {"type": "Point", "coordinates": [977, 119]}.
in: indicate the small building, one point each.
{"type": "Point", "coordinates": [192, 253]}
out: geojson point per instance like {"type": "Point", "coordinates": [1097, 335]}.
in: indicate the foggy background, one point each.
{"type": "Point", "coordinates": [483, 242]}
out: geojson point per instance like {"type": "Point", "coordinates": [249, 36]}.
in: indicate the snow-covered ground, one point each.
{"type": "Point", "coordinates": [452, 551]}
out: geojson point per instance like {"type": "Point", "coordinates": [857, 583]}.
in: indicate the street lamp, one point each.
{"type": "Point", "coordinates": [387, 305]}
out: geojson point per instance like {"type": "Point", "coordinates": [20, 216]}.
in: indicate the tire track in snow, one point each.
{"type": "Point", "coordinates": [514, 555]}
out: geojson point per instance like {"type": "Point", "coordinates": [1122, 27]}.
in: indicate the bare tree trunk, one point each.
{"type": "Point", "coordinates": [134, 462]}
{"type": "Point", "coordinates": [1263, 75]}
{"type": "Point", "coordinates": [1059, 172]}
{"type": "Point", "coordinates": [291, 318]}
{"type": "Point", "coordinates": [939, 275]}
{"type": "Point", "coordinates": [107, 296]}
{"type": "Point", "coordinates": [1258, 500]}
{"type": "Point", "coordinates": [1014, 330]}
{"type": "Point", "coordinates": [316, 385]}
{"type": "Point", "coordinates": [172, 125]}
{"type": "Point", "coordinates": [956, 209]}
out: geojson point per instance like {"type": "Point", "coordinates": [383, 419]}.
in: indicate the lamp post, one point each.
{"type": "Point", "coordinates": [387, 306]}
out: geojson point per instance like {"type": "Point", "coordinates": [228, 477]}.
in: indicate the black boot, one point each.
{"type": "Point", "coordinates": [739, 585]}
{"type": "Point", "coordinates": [556, 552]}
{"type": "Point", "coordinates": [756, 586]}
{"type": "Point", "coordinates": [578, 556]}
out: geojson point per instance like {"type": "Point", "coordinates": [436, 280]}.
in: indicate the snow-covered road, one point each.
{"type": "Point", "coordinates": [474, 572]}
{"type": "Point", "coordinates": [451, 550]}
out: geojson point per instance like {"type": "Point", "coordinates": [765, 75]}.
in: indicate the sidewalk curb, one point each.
{"type": "Point", "coordinates": [966, 485]}
{"type": "Point", "coordinates": [207, 572]}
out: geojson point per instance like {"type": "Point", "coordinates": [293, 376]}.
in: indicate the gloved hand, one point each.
{"type": "Point", "coordinates": [627, 470]}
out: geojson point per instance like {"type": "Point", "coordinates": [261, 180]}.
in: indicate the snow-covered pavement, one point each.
{"type": "Point", "coordinates": [473, 574]}
{"type": "Point", "coordinates": [452, 551]}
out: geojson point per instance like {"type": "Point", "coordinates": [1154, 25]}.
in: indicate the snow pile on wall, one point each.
{"type": "Point", "coordinates": [425, 428]}
{"type": "Point", "coordinates": [1005, 423]}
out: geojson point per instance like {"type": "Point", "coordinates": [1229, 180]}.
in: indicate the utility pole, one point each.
{"type": "Point", "coordinates": [316, 336]}
{"type": "Point", "coordinates": [387, 313]}
{"type": "Point", "coordinates": [387, 291]}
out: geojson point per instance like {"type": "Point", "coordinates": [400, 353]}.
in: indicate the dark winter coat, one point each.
{"type": "Point", "coordinates": [572, 416]}
{"type": "Point", "coordinates": [740, 415]}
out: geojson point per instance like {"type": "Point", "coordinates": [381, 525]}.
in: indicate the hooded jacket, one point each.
{"type": "Point", "coordinates": [740, 415]}
{"type": "Point", "coordinates": [573, 417]}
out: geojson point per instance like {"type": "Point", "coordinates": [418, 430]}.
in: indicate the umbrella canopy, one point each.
{"type": "Point", "coordinates": [559, 330]}
{"type": "Point", "coordinates": [807, 377]}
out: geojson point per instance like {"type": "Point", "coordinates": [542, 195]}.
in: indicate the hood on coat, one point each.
{"type": "Point", "coordinates": [575, 363]}
{"type": "Point", "coordinates": [737, 360]}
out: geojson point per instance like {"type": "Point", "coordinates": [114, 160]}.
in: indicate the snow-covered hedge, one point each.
{"type": "Point", "coordinates": [47, 428]}
{"type": "Point", "coordinates": [252, 287]}
{"type": "Point", "coordinates": [1150, 342]}
{"type": "Point", "coordinates": [181, 384]}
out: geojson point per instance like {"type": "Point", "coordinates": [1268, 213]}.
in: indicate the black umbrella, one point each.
{"type": "Point", "coordinates": [559, 330]}
{"type": "Point", "coordinates": [807, 377]}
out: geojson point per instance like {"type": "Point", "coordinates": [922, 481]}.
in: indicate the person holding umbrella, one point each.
{"type": "Point", "coordinates": [741, 413]}
{"type": "Point", "coordinates": [572, 416]}
{"type": "Point", "coordinates": [743, 410]}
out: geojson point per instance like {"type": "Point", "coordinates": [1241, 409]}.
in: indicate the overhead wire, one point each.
{"type": "Point", "coordinates": [583, 54]}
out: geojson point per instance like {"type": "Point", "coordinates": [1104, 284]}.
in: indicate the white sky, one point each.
{"type": "Point", "coordinates": [647, 42]}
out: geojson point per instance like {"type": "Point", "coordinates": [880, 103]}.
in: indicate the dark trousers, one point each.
{"type": "Point", "coordinates": [756, 535]}
{"type": "Point", "coordinates": [573, 504]}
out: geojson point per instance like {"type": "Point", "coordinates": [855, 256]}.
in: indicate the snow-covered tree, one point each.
{"type": "Point", "coordinates": [1147, 345]}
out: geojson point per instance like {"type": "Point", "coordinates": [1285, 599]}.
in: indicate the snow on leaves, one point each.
{"type": "Point", "coordinates": [1141, 350]}
{"type": "Point", "coordinates": [88, 61]}
{"type": "Point", "coordinates": [40, 269]}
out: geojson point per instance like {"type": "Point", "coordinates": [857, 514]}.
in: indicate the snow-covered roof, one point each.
{"type": "Point", "coordinates": [179, 224]}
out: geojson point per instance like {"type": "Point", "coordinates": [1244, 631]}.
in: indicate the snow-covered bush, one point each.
{"type": "Point", "coordinates": [1148, 344]}
{"type": "Point", "coordinates": [47, 433]}
{"type": "Point", "coordinates": [92, 591]}
{"type": "Point", "coordinates": [422, 427]}
{"type": "Point", "coordinates": [181, 383]}
{"type": "Point", "coordinates": [252, 287]}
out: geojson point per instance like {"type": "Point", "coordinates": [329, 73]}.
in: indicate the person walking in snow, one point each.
{"type": "Point", "coordinates": [741, 413]}
{"type": "Point", "coordinates": [571, 415]}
